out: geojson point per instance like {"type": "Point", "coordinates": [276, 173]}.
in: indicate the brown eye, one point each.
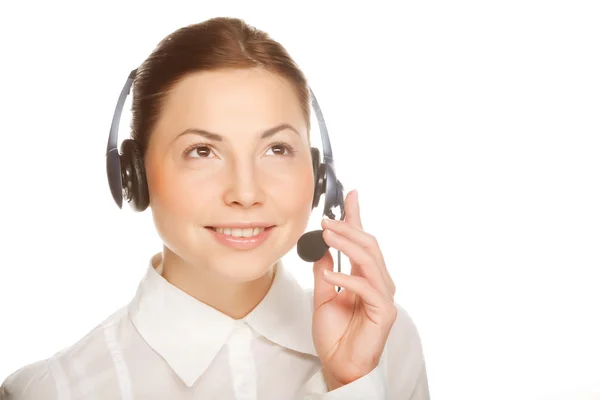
{"type": "Point", "coordinates": [281, 150]}
{"type": "Point", "coordinates": [201, 151]}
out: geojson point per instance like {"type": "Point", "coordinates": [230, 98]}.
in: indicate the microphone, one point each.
{"type": "Point", "coordinates": [311, 246]}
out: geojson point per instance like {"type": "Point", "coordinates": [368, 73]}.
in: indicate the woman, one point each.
{"type": "Point", "coordinates": [221, 120]}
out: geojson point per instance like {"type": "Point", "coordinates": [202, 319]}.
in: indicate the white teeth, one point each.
{"type": "Point", "coordinates": [238, 232]}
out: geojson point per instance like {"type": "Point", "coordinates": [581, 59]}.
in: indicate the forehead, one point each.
{"type": "Point", "coordinates": [231, 101]}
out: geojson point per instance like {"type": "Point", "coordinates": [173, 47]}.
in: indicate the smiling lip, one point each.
{"type": "Point", "coordinates": [241, 243]}
{"type": "Point", "coordinates": [242, 225]}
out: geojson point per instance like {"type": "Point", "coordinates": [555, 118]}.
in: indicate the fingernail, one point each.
{"type": "Point", "coordinates": [326, 272]}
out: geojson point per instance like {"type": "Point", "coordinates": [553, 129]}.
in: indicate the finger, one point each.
{"type": "Point", "coordinates": [359, 255]}
{"type": "Point", "coordinates": [352, 209]}
{"type": "Point", "coordinates": [355, 234]}
{"type": "Point", "coordinates": [365, 240]}
{"type": "Point", "coordinates": [324, 290]}
{"type": "Point", "coordinates": [378, 307]}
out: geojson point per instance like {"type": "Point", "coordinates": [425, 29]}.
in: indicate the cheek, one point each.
{"type": "Point", "coordinates": [176, 194]}
{"type": "Point", "coordinates": [295, 197]}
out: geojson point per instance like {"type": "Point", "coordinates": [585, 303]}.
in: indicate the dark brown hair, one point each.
{"type": "Point", "coordinates": [217, 43]}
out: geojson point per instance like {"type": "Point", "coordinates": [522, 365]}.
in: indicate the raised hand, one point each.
{"type": "Point", "coordinates": [351, 327]}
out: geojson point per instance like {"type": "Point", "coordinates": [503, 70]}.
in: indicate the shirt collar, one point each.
{"type": "Point", "coordinates": [189, 334]}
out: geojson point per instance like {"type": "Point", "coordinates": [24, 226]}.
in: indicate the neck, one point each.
{"type": "Point", "coordinates": [235, 299]}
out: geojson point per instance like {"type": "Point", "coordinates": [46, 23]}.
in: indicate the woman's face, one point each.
{"type": "Point", "coordinates": [230, 151]}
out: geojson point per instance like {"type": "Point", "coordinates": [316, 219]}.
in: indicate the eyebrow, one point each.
{"type": "Point", "coordinates": [216, 137]}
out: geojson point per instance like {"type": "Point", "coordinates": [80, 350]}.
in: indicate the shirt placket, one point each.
{"type": "Point", "coordinates": [241, 362]}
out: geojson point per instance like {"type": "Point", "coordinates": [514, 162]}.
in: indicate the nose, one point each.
{"type": "Point", "coordinates": [243, 188]}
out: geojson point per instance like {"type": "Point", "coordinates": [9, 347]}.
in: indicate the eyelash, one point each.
{"type": "Point", "coordinates": [291, 151]}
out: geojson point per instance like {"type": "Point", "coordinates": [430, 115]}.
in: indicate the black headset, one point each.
{"type": "Point", "coordinates": [127, 177]}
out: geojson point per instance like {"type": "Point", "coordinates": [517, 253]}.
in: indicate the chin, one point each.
{"type": "Point", "coordinates": [242, 268]}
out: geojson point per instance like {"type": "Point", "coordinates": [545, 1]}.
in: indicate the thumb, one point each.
{"type": "Point", "coordinates": [324, 291]}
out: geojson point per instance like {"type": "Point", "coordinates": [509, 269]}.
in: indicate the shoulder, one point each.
{"type": "Point", "coordinates": [48, 378]}
{"type": "Point", "coordinates": [33, 381]}
{"type": "Point", "coordinates": [402, 365]}
{"type": "Point", "coordinates": [404, 351]}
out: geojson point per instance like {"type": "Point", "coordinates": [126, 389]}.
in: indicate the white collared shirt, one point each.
{"type": "Point", "coordinates": [167, 345]}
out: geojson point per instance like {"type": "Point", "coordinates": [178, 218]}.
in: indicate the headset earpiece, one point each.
{"type": "Point", "coordinates": [319, 175]}
{"type": "Point", "coordinates": [316, 161]}
{"type": "Point", "coordinates": [135, 186]}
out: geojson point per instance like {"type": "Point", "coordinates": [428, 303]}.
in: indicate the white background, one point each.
{"type": "Point", "coordinates": [471, 130]}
